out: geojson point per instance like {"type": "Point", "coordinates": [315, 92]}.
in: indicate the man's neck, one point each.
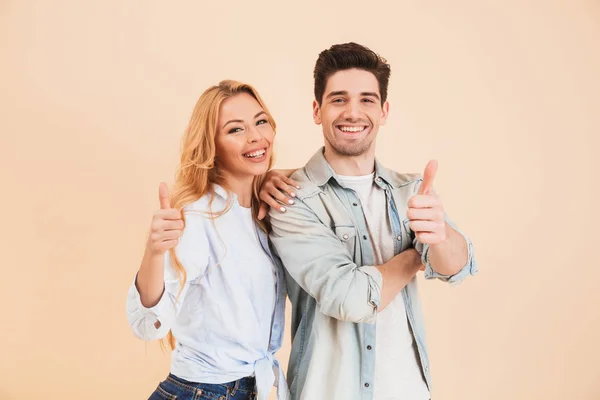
{"type": "Point", "coordinates": [361, 165]}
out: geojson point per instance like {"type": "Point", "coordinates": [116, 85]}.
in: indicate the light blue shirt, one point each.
{"type": "Point", "coordinates": [228, 321]}
{"type": "Point", "coordinates": [334, 286]}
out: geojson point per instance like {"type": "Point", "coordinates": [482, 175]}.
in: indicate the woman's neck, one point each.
{"type": "Point", "coordinates": [242, 188]}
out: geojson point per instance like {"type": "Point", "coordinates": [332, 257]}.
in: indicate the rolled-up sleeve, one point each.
{"type": "Point", "coordinates": [320, 264]}
{"type": "Point", "coordinates": [142, 319]}
{"type": "Point", "coordinates": [193, 253]}
{"type": "Point", "coordinates": [470, 267]}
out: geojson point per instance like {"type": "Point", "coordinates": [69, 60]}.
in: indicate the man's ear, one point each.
{"type": "Point", "coordinates": [316, 112]}
{"type": "Point", "coordinates": [385, 109]}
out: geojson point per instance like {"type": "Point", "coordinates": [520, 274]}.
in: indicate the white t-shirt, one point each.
{"type": "Point", "coordinates": [397, 371]}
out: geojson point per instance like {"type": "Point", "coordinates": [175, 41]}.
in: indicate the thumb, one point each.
{"type": "Point", "coordinates": [262, 211]}
{"type": "Point", "coordinates": [163, 196]}
{"type": "Point", "coordinates": [428, 177]}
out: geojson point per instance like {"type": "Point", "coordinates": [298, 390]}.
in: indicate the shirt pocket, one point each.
{"type": "Point", "coordinates": [347, 235]}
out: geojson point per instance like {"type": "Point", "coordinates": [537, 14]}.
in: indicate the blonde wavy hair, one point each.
{"type": "Point", "coordinates": [197, 170]}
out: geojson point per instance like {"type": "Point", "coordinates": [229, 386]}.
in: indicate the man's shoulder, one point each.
{"type": "Point", "coordinates": [401, 179]}
{"type": "Point", "coordinates": [308, 187]}
{"type": "Point", "coordinates": [312, 206]}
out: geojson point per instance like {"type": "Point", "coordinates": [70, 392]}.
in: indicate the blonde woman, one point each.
{"type": "Point", "coordinates": [208, 281]}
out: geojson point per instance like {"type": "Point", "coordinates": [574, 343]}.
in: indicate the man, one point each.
{"type": "Point", "coordinates": [353, 243]}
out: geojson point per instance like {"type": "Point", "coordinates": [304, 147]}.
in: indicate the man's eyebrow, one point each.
{"type": "Point", "coordinates": [337, 93]}
{"type": "Point", "coordinates": [345, 93]}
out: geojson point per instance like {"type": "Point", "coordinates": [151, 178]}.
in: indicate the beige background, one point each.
{"type": "Point", "coordinates": [505, 94]}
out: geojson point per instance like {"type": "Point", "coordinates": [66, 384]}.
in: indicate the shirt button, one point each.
{"type": "Point", "coordinates": [365, 237]}
{"type": "Point", "coordinates": [345, 237]}
{"type": "Point", "coordinates": [369, 347]}
{"type": "Point", "coordinates": [378, 180]}
{"type": "Point", "coordinates": [399, 238]}
{"type": "Point", "coordinates": [367, 385]}
{"type": "Point", "coordinates": [355, 204]}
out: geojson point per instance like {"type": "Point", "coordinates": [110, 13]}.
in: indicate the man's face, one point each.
{"type": "Point", "coordinates": [350, 112]}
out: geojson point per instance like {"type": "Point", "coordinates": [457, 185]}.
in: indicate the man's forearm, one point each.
{"type": "Point", "coordinates": [449, 256]}
{"type": "Point", "coordinates": [396, 274]}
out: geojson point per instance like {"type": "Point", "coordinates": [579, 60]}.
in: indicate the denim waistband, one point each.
{"type": "Point", "coordinates": [247, 383]}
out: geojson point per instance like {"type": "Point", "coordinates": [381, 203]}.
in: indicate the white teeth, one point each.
{"type": "Point", "coordinates": [255, 154]}
{"type": "Point", "coordinates": [352, 128]}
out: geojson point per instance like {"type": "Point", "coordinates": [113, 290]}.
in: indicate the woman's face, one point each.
{"type": "Point", "coordinates": [244, 137]}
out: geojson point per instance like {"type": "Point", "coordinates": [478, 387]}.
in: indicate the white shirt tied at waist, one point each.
{"type": "Point", "coordinates": [229, 318]}
{"type": "Point", "coordinates": [268, 372]}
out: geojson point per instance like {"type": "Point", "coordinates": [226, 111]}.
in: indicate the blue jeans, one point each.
{"type": "Point", "coordinates": [180, 389]}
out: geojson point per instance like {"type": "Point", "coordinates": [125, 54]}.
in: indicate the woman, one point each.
{"type": "Point", "coordinates": [208, 281]}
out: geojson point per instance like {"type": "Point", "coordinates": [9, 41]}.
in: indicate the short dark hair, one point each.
{"type": "Point", "coordinates": [351, 55]}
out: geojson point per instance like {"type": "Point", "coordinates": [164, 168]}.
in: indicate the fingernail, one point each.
{"type": "Point", "coordinates": [291, 201]}
{"type": "Point", "coordinates": [297, 187]}
{"type": "Point", "coordinates": [293, 194]}
{"type": "Point", "coordinates": [282, 209]}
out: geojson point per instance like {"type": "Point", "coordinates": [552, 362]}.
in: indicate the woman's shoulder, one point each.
{"type": "Point", "coordinates": [200, 205]}
{"type": "Point", "coordinates": [211, 202]}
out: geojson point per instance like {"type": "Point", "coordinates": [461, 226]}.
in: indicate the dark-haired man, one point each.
{"type": "Point", "coordinates": [353, 243]}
